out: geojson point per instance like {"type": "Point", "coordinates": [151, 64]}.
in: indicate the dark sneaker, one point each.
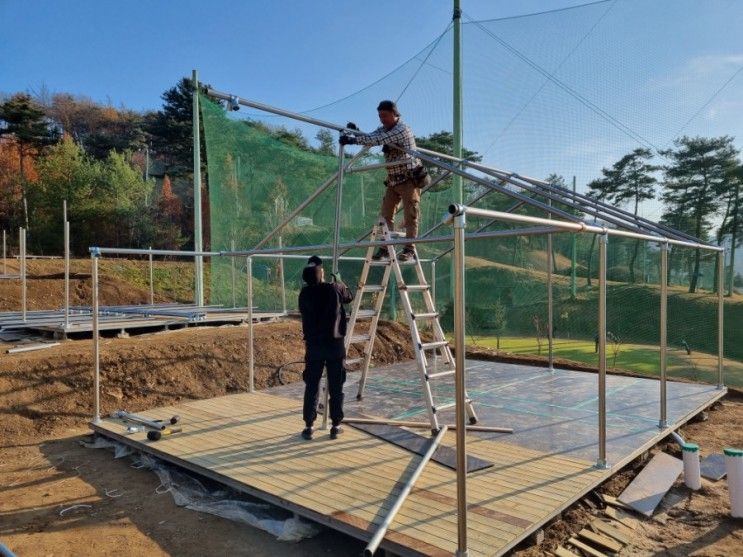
{"type": "Point", "coordinates": [335, 431]}
{"type": "Point", "coordinates": [307, 433]}
{"type": "Point", "coordinates": [408, 254]}
{"type": "Point", "coordinates": [380, 254]}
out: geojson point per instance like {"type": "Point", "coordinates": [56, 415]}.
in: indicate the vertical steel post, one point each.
{"type": "Point", "coordinates": [433, 283]}
{"type": "Point", "coordinates": [601, 462]}
{"type": "Point", "coordinates": [5, 261]}
{"type": "Point", "coordinates": [457, 138]}
{"type": "Point", "coordinates": [720, 318]}
{"type": "Point", "coordinates": [66, 225]}
{"type": "Point", "coordinates": [550, 316]}
{"type": "Point", "coordinates": [338, 202]}
{"type": "Point", "coordinates": [198, 244]}
{"type": "Point", "coordinates": [282, 278]}
{"type": "Point", "coordinates": [96, 342]}
{"type": "Point", "coordinates": [232, 270]}
{"type": "Point", "coordinates": [152, 280]}
{"type": "Point", "coordinates": [459, 382]}
{"type": "Point", "coordinates": [573, 257]}
{"type": "Point", "coordinates": [24, 290]}
{"type": "Point", "coordinates": [251, 365]}
{"type": "Point", "coordinates": [663, 422]}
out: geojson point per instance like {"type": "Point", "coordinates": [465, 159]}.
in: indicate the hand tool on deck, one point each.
{"type": "Point", "coordinates": [152, 424]}
{"type": "Point", "coordinates": [155, 435]}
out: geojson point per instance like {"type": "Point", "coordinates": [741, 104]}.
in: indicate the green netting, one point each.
{"type": "Point", "coordinates": [567, 93]}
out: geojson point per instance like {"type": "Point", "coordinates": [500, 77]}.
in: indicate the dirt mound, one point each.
{"type": "Point", "coordinates": [45, 392]}
{"type": "Point", "coordinates": [45, 287]}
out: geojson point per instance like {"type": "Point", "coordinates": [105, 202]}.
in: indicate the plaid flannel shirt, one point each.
{"type": "Point", "coordinates": [399, 134]}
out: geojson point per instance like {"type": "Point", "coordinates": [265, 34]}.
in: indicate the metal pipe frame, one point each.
{"type": "Point", "coordinates": [513, 178]}
{"type": "Point", "coordinates": [601, 463]}
{"type": "Point", "coordinates": [66, 271]}
{"type": "Point", "coordinates": [338, 202]}
{"type": "Point", "coordinates": [232, 274]}
{"type": "Point", "coordinates": [404, 492]}
{"type": "Point", "coordinates": [550, 327]}
{"type": "Point", "coordinates": [720, 318]}
{"type": "Point", "coordinates": [24, 287]}
{"type": "Point", "coordinates": [198, 261]}
{"type": "Point", "coordinates": [585, 201]}
{"type": "Point", "coordinates": [578, 227]}
{"type": "Point", "coordinates": [663, 421]}
{"type": "Point", "coordinates": [152, 278]}
{"type": "Point", "coordinates": [96, 342]}
{"type": "Point", "coordinates": [5, 261]}
{"type": "Point", "coordinates": [283, 279]}
{"type": "Point", "coordinates": [459, 377]}
{"type": "Point", "coordinates": [251, 363]}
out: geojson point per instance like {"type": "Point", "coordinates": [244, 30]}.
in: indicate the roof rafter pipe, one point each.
{"type": "Point", "coordinates": [492, 186]}
{"type": "Point", "coordinates": [498, 173]}
{"type": "Point", "coordinates": [456, 209]}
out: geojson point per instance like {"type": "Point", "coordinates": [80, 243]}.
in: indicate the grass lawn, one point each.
{"type": "Point", "coordinates": [639, 358]}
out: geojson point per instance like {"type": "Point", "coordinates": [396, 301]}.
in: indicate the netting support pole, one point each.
{"type": "Point", "coordinates": [457, 139]}
{"type": "Point", "coordinates": [663, 422]}
{"type": "Point", "coordinates": [66, 230]}
{"type": "Point", "coordinates": [197, 238]}
{"type": "Point", "coordinates": [22, 242]}
{"type": "Point", "coordinates": [5, 249]}
{"type": "Point", "coordinates": [251, 365]}
{"type": "Point", "coordinates": [433, 283]}
{"type": "Point", "coordinates": [96, 341]}
{"type": "Point", "coordinates": [720, 317]}
{"type": "Point", "coordinates": [573, 257]}
{"type": "Point", "coordinates": [601, 462]}
{"type": "Point", "coordinates": [152, 278]}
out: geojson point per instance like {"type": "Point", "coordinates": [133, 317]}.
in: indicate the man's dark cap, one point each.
{"type": "Point", "coordinates": [314, 260]}
{"type": "Point", "coordinates": [389, 106]}
{"type": "Point", "coordinates": [311, 274]}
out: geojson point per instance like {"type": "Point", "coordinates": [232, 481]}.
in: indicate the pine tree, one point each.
{"type": "Point", "coordinates": [694, 185]}
{"type": "Point", "coordinates": [25, 121]}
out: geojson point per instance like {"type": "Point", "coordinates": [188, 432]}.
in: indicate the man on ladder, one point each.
{"type": "Point", "coordinates": [405, 175]}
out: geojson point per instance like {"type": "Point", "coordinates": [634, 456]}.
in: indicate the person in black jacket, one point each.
{"type": "Point", "coordinates": [324, 328]}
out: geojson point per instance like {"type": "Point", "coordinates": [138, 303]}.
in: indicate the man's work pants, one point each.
{"type": "Point", "coordinates": [312, 375]}
{"type": "Point", "coordinates": [410, 196]}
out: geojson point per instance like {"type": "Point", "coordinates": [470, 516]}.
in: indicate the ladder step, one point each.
{"type": "Point", "coordinates": [360, 338]}
{"type": "Point", "coordinates": [365, 314]}
{"type": "Point", "coordinates": [441, 374]}
{"type": "Point", "coordinates": [449, 405]}
{"type": "Point", "coordinates": [372, 288]}
{"type": "Point", "coordinates": [353, 361]}
{"type": "Point", "coordinates": [380, 262]}
{"type": "Point", "coordinates": [433, 315]}
{"type": "Point", "coordinates": [433, 345]}
{"type": "Point", "coordinates": [414, 287]}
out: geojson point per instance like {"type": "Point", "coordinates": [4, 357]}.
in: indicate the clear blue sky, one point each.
{"type": "Point", "coordinates": [298, 54]}
{"type": "Point", "coordinates": [627, 72]}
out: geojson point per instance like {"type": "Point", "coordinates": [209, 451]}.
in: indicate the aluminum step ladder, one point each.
{"type": "Point", "coordinates": [434, 359]}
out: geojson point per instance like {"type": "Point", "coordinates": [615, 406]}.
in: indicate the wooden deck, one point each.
{"type": "Point", "coordinates": [251, 442]}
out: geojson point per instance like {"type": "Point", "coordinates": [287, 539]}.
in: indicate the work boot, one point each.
{"type": "Point", "coordinates": [380, 254]}
{"type": "Point", "coordinates": [335, 431]}
{"type": "Point", "coordinates": [307, 433]}
{"type": "Point", "coordinates": [408, 254]}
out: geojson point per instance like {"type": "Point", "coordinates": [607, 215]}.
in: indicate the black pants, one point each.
{"type": "Point", "coordinates": [315, 361]}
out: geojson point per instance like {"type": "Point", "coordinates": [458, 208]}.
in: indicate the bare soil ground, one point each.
{"type": "Point", "coordinates": [46, 400]}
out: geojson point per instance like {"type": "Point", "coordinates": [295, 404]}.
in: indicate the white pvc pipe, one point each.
{"type": "Point", "coordinates": [734, 469]}
{"type": "Point", "coordinates": [692, 473]}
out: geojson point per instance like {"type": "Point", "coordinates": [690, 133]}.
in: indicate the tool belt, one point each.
{"type": "Point", "coordinates": [418, 175]}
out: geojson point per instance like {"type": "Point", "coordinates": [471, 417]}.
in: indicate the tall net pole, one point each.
{"type": "Point", "coordinates": [197, 243]}
{"type": "Point", "coordinates": [457, 110]}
